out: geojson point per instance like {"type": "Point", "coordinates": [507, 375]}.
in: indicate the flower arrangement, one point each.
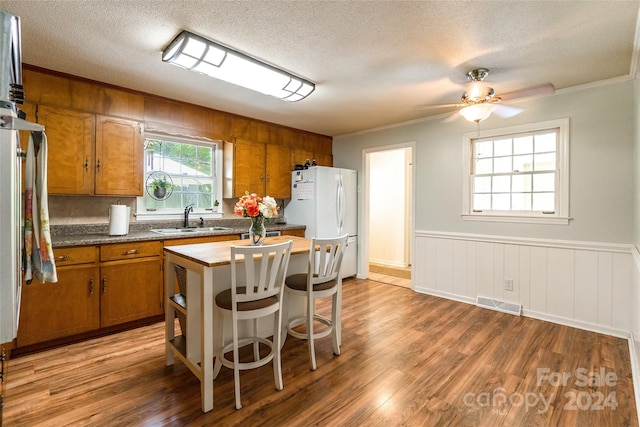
{"type": "Point", "coordinates": [257, 208]}
{"type": "Point", "coordinates": [254, 206]}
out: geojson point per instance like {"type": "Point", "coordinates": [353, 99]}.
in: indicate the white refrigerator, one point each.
{"type": "Point", "coordinates": [325, 199]}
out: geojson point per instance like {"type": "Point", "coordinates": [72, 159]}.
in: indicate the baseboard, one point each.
{"type": "Point", "coordinates": [635, 372]}
{"type": "Point", "coordinates": [387, 263]}
{"type": "Point", "coordinates": [446, 295]}
{"type": "Point", "coordinates": [578, 324]}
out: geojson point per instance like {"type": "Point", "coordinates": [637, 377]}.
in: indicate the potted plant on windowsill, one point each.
{"type": "Point", "coordinates": [216, 206]}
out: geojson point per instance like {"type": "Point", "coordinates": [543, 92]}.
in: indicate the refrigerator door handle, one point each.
{"type": "Point", "coordinates": [340, 205]}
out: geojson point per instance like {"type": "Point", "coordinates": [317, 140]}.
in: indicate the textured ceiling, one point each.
{"type": "Point", "coordinates": [373, 62]}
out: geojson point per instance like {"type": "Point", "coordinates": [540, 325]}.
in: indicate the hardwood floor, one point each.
{"type": "Point", "coordinates": [407, 359]}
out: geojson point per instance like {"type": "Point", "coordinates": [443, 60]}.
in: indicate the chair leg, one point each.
{"type": "Point", "coordinates": [236, 363]}
{"type": "Point", "coordinates": [218, 340]}
{"type": "Point", "coordinates": [285, 317]}
{"type": "Point", "coordinates": [310, 313]}
{"type": "Point", "coordinates": [335, 324]}
{"type": "Point", "coordinates": [256, 344]}
{"type": "Point", "coordinates": [277, 362]}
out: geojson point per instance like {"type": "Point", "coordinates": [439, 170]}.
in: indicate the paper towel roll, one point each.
{"type": "Point", "coordinates": [119, 220]}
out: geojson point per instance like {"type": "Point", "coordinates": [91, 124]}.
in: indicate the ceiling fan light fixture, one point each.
{"type": "Point", "coordinates": [477, 92]}
{"type": "Point", "coordinates": [477, 112]}
{"type": "Point", "coordinates": [198, 54]}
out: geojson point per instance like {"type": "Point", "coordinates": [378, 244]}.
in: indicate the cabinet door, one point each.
{"type": "Point", "coordinates": [324, 159]}
{"type": "Point", "coordinates": [56, 310]}
{"type": "Point", "coordinates": [300, 156]}
{"type": "Point", "coordinates": [118, 157]}
{"type": "Point", "coordinates": [130, 291]}
{"type": "Point", "coordinates": [278, 171]}
{"type": "Point", "coordinates": [249, 171]}
{"type": "Point", "coordinates": [70, 157]}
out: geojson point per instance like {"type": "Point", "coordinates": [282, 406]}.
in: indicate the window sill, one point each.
{"type": "Point", "coordinates": [518, 219]}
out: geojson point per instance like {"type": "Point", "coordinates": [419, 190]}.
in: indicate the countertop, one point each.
{"type": "Point", "coordinates": [98, 234]}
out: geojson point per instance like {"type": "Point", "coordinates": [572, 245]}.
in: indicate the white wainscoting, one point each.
{"type": "Point", "coordinates": [581, 284]}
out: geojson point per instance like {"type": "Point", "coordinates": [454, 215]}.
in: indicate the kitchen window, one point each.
{"type": "Point", "coordinates": [187, 169]}
{"type": "Point", "coordinates": [518, 174]}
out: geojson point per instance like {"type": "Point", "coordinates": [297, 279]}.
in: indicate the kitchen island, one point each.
{"type": "Point", "coordinates": [208, 272]}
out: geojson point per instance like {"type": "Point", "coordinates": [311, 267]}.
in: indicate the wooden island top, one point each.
{"type": "Point", "coordinates": [218, 253]}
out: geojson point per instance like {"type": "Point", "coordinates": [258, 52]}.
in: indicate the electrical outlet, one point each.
{"type": "Point", "coordinates": [508, 284]}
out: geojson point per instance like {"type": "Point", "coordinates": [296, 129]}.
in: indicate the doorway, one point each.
{"type": "Point", "coordinates": [389, 214]}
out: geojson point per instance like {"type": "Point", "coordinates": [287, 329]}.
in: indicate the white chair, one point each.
{"type": "Point", "coordinates": [322, 280]}
{"type": "Point", "coordinates": [257, 284]}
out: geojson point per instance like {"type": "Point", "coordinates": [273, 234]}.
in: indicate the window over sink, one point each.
{"type": "Point", "coordinates": [178, 172]}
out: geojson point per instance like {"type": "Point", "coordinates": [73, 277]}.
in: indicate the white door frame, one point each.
{"type": "Point", "coordinates": [363, 227]}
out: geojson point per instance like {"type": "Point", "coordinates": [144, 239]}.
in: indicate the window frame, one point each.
{"type": "Point", "coordinates": [561, 191]}
{"type": "Point", "coordinates": [178, 213]}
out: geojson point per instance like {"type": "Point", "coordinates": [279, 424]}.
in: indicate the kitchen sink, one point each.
{"type": "Point", "coordinates": [188, 230]}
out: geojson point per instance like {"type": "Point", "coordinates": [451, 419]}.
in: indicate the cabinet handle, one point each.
{"type": "Point", "coordinates": [91, 286]}
{"type": "Point", "coordinates": [98, 166]}
{"type": "Point", "coordinates": [86, 164]}
{"type": "Point", "coordinates": [267, 178]}
{"type": "Point", "coordinates": [261, 177]}
{"type": "Point", "coordinates": [104, 284]}
{"type": "Point", "coordinates": [62, 258]}
{"type": "Point", "coordinates": [131, 252]}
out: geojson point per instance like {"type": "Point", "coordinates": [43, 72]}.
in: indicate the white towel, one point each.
{"type": "Point", "coordinates": [39, 262]}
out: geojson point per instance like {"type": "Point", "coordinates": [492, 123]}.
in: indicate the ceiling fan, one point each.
{"type": "Point", "coordinates": [479, 99]}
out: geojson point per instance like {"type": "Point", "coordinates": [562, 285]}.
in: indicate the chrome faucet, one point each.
{"type": "Point", "coordinates": [187, 209]}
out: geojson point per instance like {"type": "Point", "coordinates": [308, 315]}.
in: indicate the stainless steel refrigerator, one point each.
{"type": "Point", "coordinates": [325, 200]}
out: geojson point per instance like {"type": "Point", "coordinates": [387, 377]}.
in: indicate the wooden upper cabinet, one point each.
{"type": "Point", "coordinates": [243, 168]}
{"type": "Point", "coordinates": [118, 157]}
{"type": "Point", "coordinates": [70, 136]}
{"type": "Point", "coordinates": [300, 156]}
{"type": "Point", "coordinates": [249, 173]}
{"type": "Point", "coordinates": [258, 168]}
{"type": "Point", "coordinates": [91, 154]}
{"type": "Point", "coordinates": [324, 159]}
{"type": "Point", "coordinates": [278, 171]}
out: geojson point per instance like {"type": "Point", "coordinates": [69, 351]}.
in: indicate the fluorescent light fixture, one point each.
{"type": "Point", "coordinates": [196, 53]}
{"type": "Point", "coordinates": [477, 112]}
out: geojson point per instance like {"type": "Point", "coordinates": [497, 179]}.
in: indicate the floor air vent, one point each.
{"type": "Point", "coordinates": [503, 306]}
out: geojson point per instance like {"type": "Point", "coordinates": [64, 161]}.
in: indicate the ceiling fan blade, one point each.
{"type": "Point", "coordinates": [545, 89]}
{"type": "Point", "coordinates": [434, 106]}
{"type": "Point", "coordinates": [451, 117]}
{"type": "Point", "coordinates": [506, 111]}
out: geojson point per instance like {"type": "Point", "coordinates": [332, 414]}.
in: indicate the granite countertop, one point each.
{"type": "Point", "coordinates": [98, 234]}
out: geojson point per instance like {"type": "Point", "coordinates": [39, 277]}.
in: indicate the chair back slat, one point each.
{"type": "Point", "coordinates": [325, 262]}
{"type": "Point", "coordinates": [265, 268]}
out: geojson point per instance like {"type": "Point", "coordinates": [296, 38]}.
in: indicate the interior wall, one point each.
{"type": "Point", "coordinates": [387, 210]}
{"type": "Point", "coordinates": [463, 259]}
{"type": "Point", "coordinates": [601, 161]}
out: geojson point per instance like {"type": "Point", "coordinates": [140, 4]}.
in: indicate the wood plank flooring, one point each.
{"type": "Point", "coordinates": [407, 359]}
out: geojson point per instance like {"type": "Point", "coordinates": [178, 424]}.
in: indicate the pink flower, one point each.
{"type": "Point", "coordinates": [252, 205]}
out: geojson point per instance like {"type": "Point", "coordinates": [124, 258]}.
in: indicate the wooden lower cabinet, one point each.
{"type": "Point", "coordinates": [293, 232]}
{"type": "Point", "coordinates": [55, 310]}
{"type": "Point", "coordinates": [97, 288]}
{"type": "Point", "coordinates": [130, 291]}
